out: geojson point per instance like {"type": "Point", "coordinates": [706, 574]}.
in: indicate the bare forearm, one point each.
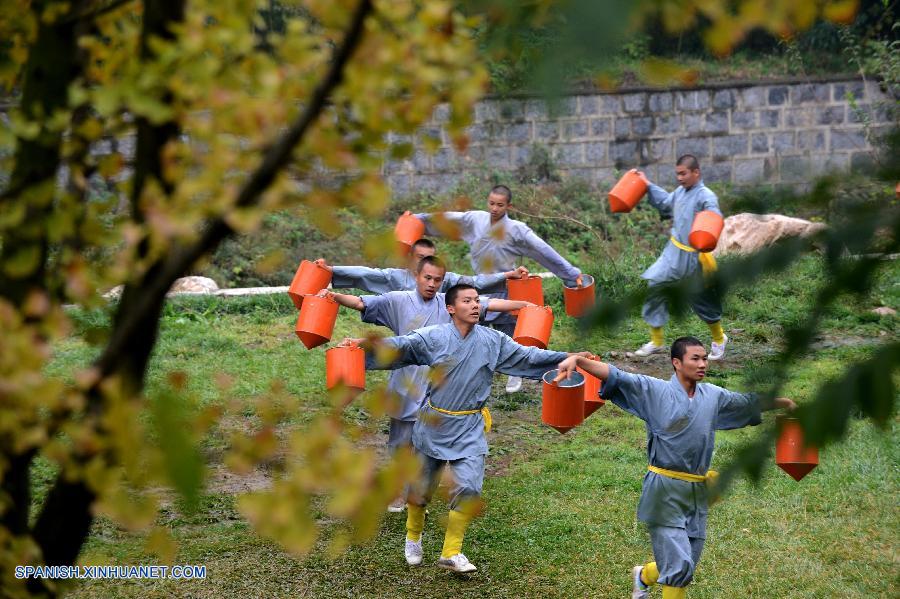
{"type": "Point", "coordinates": [505, 305]}
{"type": "Point", "coordinates": [349, 301]}
{"type": "Point", "coordinates": [593, 367]}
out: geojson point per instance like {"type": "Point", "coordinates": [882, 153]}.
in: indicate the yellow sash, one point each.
{"type": "Point", "coordinates": [707, 260]}
{"type": "Point", "coordinates": [485, 413]}
{"type": "Point", "coordinates": [710, 477]}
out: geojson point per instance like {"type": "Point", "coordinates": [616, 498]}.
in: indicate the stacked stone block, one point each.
{"type": "Point", "coordinates": [784, 133]}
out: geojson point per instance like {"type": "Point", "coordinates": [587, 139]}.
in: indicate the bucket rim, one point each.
{"type": "Point", "coordinates": [586, 280]}
{"type": "Point", "coordinates": [577, 379]}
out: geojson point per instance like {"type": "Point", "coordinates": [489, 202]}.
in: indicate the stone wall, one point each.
{"type": "Point", "coordinates": [779, 133]}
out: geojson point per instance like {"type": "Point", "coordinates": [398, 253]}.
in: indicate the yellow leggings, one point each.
{"type": "Point", "coordinates": [649, 576]}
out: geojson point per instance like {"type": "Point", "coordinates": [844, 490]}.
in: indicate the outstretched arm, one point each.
{"type": "Point", "coordinates": [445, 224]}
{"type": "Point", "coordinates": [659, 197]}
{"type": "Point", "coordinates": [540, 251]}
{"type": "Point", "coordinates": [348, 301]}
{"type": "Point", "coordinates": [583, 361]}
{"type": "Point", "coordinates": [373, 280]}
{"type": "Point", "coordinates": [505, 305]}
{"type": "Point", "coordinates": [391, 353]}
{"type": "Point", "coordinates": [489, 283]}
{"type": "Point", "coordinates": [737, 410]}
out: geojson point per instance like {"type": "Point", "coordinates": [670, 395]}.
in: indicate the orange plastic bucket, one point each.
{"type": "Point", "coordinates": [791, 453]}
{"type": "Point", "coordinates": [309, 279]}
{"type": "Point", "coordinates": [345, 367]}
{"type": "Point", "coordinates": [579, 300]}
{"type": "Point", "coordinates": [562, 403]}
{"type": "Point", "coordinates": [705, 231]}
{"type": "Point", "coordinates": [527, 289]}
{"type": "Point", "coordinates": [533, 326]}
{"type": "Point", "coordinates": [592, 386]}
{"type": "Point", "coordinates": [408, 230]}
{"type": "Point", "coordinates": [315, 323]}
{"type": "Point", "coordinates": [627, 193]}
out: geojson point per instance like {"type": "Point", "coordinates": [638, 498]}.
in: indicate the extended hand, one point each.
{"type": "Point", "coordinates": [641, 175]}
{"type": "Point", "coordinates": [518, 273]}
{"type": "Point", "coordinates": [325, 293]}
{"type": "Point", "coordinates": [566, 368]}
{"type": "Point", "coordinates": [321, 262]}
{"type": "Point", "coordinates": [579, 282]}
{"type": "Point", "coordinates": [350, 342]}
{"type": "Point", "coordinates": [785, 403]}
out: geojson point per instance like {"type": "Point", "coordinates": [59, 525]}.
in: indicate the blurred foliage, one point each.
{"type": "Point", "coordinates": [689, 38]}
{"type": "Point", "coordinates": [203, 120]}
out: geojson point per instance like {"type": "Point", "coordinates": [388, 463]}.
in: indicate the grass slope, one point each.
{"type": "Point", "coordinates": [561, 509]}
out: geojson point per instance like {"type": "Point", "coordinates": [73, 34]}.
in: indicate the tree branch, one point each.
{"type": "Point", "coordinates": [276, 158]}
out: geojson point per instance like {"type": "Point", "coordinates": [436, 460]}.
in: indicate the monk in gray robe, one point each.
{"type": "Point", "coordinates": [497, 242]}
{"type": "Point", "coordinates": [682, 416]}
{"type": "Point", "coordinates": [679, 260]}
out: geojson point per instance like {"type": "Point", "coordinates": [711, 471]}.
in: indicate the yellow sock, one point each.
{"type": "Point", "coordinates": [650, 574]}
{"type": "Point", "coordinates": [457, 522]}
{"type": "Point", "coordinates": [656, 335]}
{"type": "Point", "coordinates": [415, 521]}
{"type": "Point", "coordinates": [674, 592]}
{"type": "Point", "coordinates": [718, 335]}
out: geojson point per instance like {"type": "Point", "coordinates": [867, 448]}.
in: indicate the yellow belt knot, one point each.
{"type": "Point", "coordinates": [485, 414]}
{"type": "Point", "coordinates": [707, 260]}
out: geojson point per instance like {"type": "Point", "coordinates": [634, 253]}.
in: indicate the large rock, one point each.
{"type": "Point", "coordinates": [190, 284]}
{"type": "Point", "coordinates": [193, 285]}
{"type": "Point", "coordinates": [747, 233]}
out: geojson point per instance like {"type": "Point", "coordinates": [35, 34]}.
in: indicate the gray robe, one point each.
{"type": "Point", "coordinates": [403, 312]}
{"type": "Point", "coordinates": [383, 280]}
{"type": "Point", "coordinates": [681, 433]}
{"type": "Point", "coordinates": [675, 264]}
{"type": "Point", "coordinates": [501, 247]}
{"type": "Point", "coordinates": [469, 364]}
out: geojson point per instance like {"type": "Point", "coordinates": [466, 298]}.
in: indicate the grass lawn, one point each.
{"type": "Point", "coordinates": [560, 518]}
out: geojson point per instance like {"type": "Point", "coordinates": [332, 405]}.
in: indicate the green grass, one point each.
{"type": "Point", "coordinates": [560, 519]}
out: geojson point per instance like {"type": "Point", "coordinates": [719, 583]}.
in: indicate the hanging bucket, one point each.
{"type": "Point", "coordinates": [345, 368]}
{"type": "Point", "coordinates": [791, 454]}
{"type": "Point", "coordinates": [533, 326]}
{"type": "Point", "coordinates": [627, 193]}
{"type": "Point", "coordinates": [579, 300]}
{"type": "Point", "coordinates": [527, 289]}
{"type": "Point", "coordinates": [562, 405]}
{"type": "Point", "coordinates": [592, 386]}
{"type": "Point", "coordinates": [316, 320]}
{"type": "Point", "coordinates": [309, 279]}
{"type": "Point", "coordinates": [705, 231]}
{"type": "Point", "coordinates": [408, 230]}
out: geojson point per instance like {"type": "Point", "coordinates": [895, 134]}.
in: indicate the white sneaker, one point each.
{"type": "Point", "coordinates": [639, 590]}
{"type": "Point", "coordinates": [397, 505]}
{"type": "Point", "coordinates": [513, 384]}
{"type": "Point", "coordinates": [457, 563]}
{"type": "Point", "coordinates": [648, 349]}
{"type": "Point", "coordinates": [413, 552]}
{"type": "Point", "coordinates": [718, 349]}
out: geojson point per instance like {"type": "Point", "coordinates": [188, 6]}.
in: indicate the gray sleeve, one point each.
{"type": "Point", "coordinates": [492, 283]}
{"type": "Point", "coordinates": [737, 410]}
{"type": "Point", "coordinates": [397, 352]}
{"type": "Point", "coordinates": [378, 310]}
{"type": "Point", "coordinates": [529, 362]}
{"type": "Point", "coordinates": [660, 199]}
{"type": "Point", "coordinates": [432, 227]}
{"type": "Point", "coordinates": [709, 201]}
{"type": "Point", "coordinates": [373, 280]}
{"type": "Point", "coordinates": [540, 251]}
{"type": "Point", "coordinates": [631, 392]}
